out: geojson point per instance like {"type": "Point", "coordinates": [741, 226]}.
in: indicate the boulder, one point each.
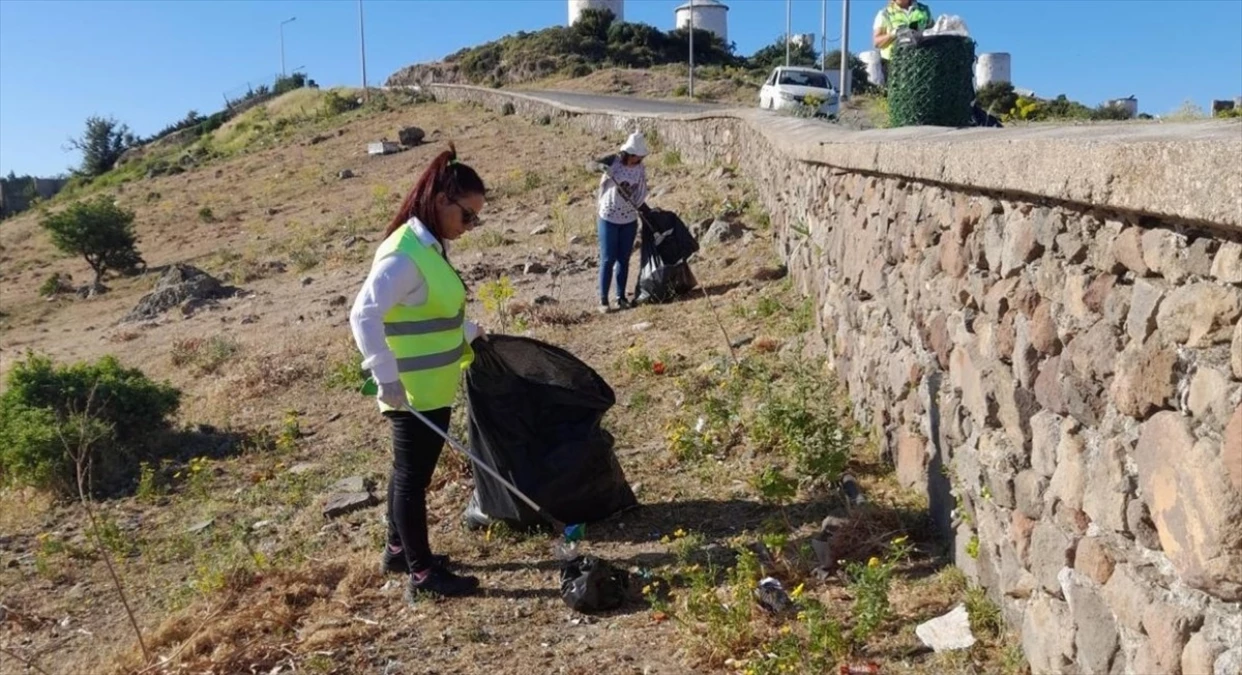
{"type": "Point", "coordinates": [721, 231]}
{"type": "Point", "coordinates": [178, 285]}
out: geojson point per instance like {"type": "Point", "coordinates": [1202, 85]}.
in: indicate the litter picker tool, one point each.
{"type": "Point", "coordinates": [570, 533]}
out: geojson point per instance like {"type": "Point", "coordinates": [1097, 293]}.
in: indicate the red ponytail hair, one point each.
{"type": "Point", "coordinates": [445, 175]}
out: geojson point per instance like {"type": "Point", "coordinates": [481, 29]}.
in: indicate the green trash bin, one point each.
{"type": "Point", "coordinates": [932, 81]}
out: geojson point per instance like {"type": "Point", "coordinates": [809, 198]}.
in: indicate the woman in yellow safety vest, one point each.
{"type": "Point", "coordinates": [897, 15]}
{"type": "Point", "coordinates": [409, 323]}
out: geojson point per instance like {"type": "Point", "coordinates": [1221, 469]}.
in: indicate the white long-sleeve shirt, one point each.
{"type": "Point", "coordinates": [394, 279]}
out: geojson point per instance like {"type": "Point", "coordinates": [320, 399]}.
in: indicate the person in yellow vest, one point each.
{"type": "Point", "coordinates": [896, 16]}
{"type": "Point", "coordinates": [409, 324]}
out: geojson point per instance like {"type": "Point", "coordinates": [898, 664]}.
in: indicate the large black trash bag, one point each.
{"type": "Point", "coordinates": [535, 416]}
{"type": "Point", "coordinates": [590, 584]}
{"type": "Point", "coordinates": [664, 276]}
{"type": "Point", "coordinates": [672, 239]}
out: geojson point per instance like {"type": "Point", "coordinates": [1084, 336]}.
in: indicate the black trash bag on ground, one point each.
{"type": "Point", "coordinates": [535, 414]}
{"type": "Point", "coordinates": [590, 584]}
{"type": "Point", "coordinates": [659, 280]}
{"type": "Point", "coordinates": [672, 239]}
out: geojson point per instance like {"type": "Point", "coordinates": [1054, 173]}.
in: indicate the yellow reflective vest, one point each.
{"type": "Point", "coordinates": [918, 17]}
{"type": "Point", "coordinates": [428, 340]}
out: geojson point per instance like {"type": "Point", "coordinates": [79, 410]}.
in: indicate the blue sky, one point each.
{"type": "Point", "coordinates": [171, 56]}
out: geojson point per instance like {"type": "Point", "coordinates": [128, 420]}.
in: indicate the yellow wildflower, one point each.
{"type": "Point", "coordinates": [873, 562]}
{"type": "Point", "coordinates": [665, 539]}
{"type": "Point", "coordinates": [785, 630]}
{"type": "Point", "coordinates": [900, 540]}
{"type": "Point", "coordinates": [679, 533]}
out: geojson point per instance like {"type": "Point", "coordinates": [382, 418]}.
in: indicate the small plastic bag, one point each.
{"type": "Point", "coordinates": [591, 584]}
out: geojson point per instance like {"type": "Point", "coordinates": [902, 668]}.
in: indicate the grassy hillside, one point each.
{"type": "Point", "coordinates": [222, 549]}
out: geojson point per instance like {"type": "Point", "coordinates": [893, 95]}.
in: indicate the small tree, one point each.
{"type": "Point", "coordinates": [773, 55]}
{"type": "Point", "coordinates": [99, 231]}
{"type": "Point", "coordinates": [102, 144]}
{"type": "Point", "coordinates": [860, 83]}
{"type": "Point", "coordinates": [997, 98]}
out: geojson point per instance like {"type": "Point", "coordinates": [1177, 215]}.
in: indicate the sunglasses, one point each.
{"type": "Point", "coordinates": [468, 217]}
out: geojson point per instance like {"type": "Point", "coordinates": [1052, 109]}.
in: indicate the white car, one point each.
{"type": "Point", "coordinates": [788, 88]}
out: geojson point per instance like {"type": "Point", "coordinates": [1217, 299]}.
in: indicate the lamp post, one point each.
{"type": "Point", "coordinates": [823, 35]}
{"type": "Point", "coordinates": [788, 23]}
{"type": "Point", "coordinates": [845, 50]}
{"type": "Point", "coordinates": [362, 46]}
{"type": "Point", "coordinates": [282, 43]}
{"type": "Point", "coordinates": [691, 10]}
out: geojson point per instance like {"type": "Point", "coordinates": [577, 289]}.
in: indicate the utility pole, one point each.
{"type": "Point", "coordinates": [823, 35]}
{"type": "Point", "coordinates": [788, 23]}
{"type": "Point", "coordinates": [282, 43]}
{"type": "Point", "coordinates": [691, 49]}
{"type": "Point", "coordinates": [362, 45]}
{"type": "Point", "coordinates": [845, 49]}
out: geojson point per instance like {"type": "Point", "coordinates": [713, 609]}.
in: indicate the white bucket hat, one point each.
{"type": "Point", "coordinates": [635, 144]}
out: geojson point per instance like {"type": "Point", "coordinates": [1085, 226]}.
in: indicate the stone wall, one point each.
{"type": "Point", "coordinates": [1049, 345]}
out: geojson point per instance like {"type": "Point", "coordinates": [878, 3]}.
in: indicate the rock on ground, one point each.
{"type": "Point", "coordinates": [177, 285]}
{"type": "Point", "coordinates": [721, 231]}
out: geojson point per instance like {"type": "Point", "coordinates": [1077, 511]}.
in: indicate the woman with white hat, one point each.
{"type": "Point", "coordinates": [622, 191]}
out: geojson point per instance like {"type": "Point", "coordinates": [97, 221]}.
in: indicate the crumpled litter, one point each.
{"type": "Point", "coordinates": [948, 24]}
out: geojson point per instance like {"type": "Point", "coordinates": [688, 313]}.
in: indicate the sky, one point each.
{"type": "Point", "coordinates": [148, 62]}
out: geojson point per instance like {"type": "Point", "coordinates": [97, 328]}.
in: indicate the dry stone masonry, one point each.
{"type": "Point", "coordinates": [1044, 327]}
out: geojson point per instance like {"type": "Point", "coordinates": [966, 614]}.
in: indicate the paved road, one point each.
{"type": "Point", "coordinates": [621, 103]}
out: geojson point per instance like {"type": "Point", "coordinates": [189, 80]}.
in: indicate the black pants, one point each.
{"type": "Point", "coordinates": [415, 452]}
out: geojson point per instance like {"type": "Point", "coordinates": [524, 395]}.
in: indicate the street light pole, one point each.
{"type": "Point", "coordinates": [845, 49]}
{"type": "Point", "coordinates": [362, 46]}
{"type": "Point", "coordinates": [788, 22]}
{"type": "Point", "coordinates": [823, 35]}
{"type": "Point", "coordinates": [282, 43]}
{"type": "Point", "coordinates": [691, 49]}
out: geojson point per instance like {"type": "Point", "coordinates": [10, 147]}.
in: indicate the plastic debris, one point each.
{"type": "Point", "coordinates": [772, 596]}
{"type": "Point", "coordinates": [947, 632]}
{"type": "Point", "coordinates": [591, 584]}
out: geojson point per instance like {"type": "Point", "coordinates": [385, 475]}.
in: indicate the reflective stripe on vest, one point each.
{"type": "Point", "coordinates": [399, 328]}
{"type": "Point", "coordinates": [428, 340]}
{"type": "Point", "coordinates": [412, 364]}
{"type": "Point", "coordinates": [896, 17]}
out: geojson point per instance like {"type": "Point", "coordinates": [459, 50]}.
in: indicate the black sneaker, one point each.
{"type": "Point", "coordinates": [622, 303]}
{"type": "Point", "coordinates": [395, 563]}
{"type": "Point", "coordinates": [440, 582]}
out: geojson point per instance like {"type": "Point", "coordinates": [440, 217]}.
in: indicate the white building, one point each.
{"type": "Point", "coordinates": [709, 15]}
{"type": "Point", "coordinates": [577, 7]}
{"type": "Point", "coordinates": [992, 67]}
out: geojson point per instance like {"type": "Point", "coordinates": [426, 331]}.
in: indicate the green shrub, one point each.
{"type": "Point", "coordinates": [55, 284]}
{"type": "Point", "coordinates": [334, 103]}
{"type": "Point", "coordinates": [50, 412]}
{"type": "Point", "coordinates": [99, 231]}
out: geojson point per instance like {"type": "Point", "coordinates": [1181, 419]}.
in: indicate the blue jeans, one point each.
{"type": "Point", "coordinates": [616, 242]}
